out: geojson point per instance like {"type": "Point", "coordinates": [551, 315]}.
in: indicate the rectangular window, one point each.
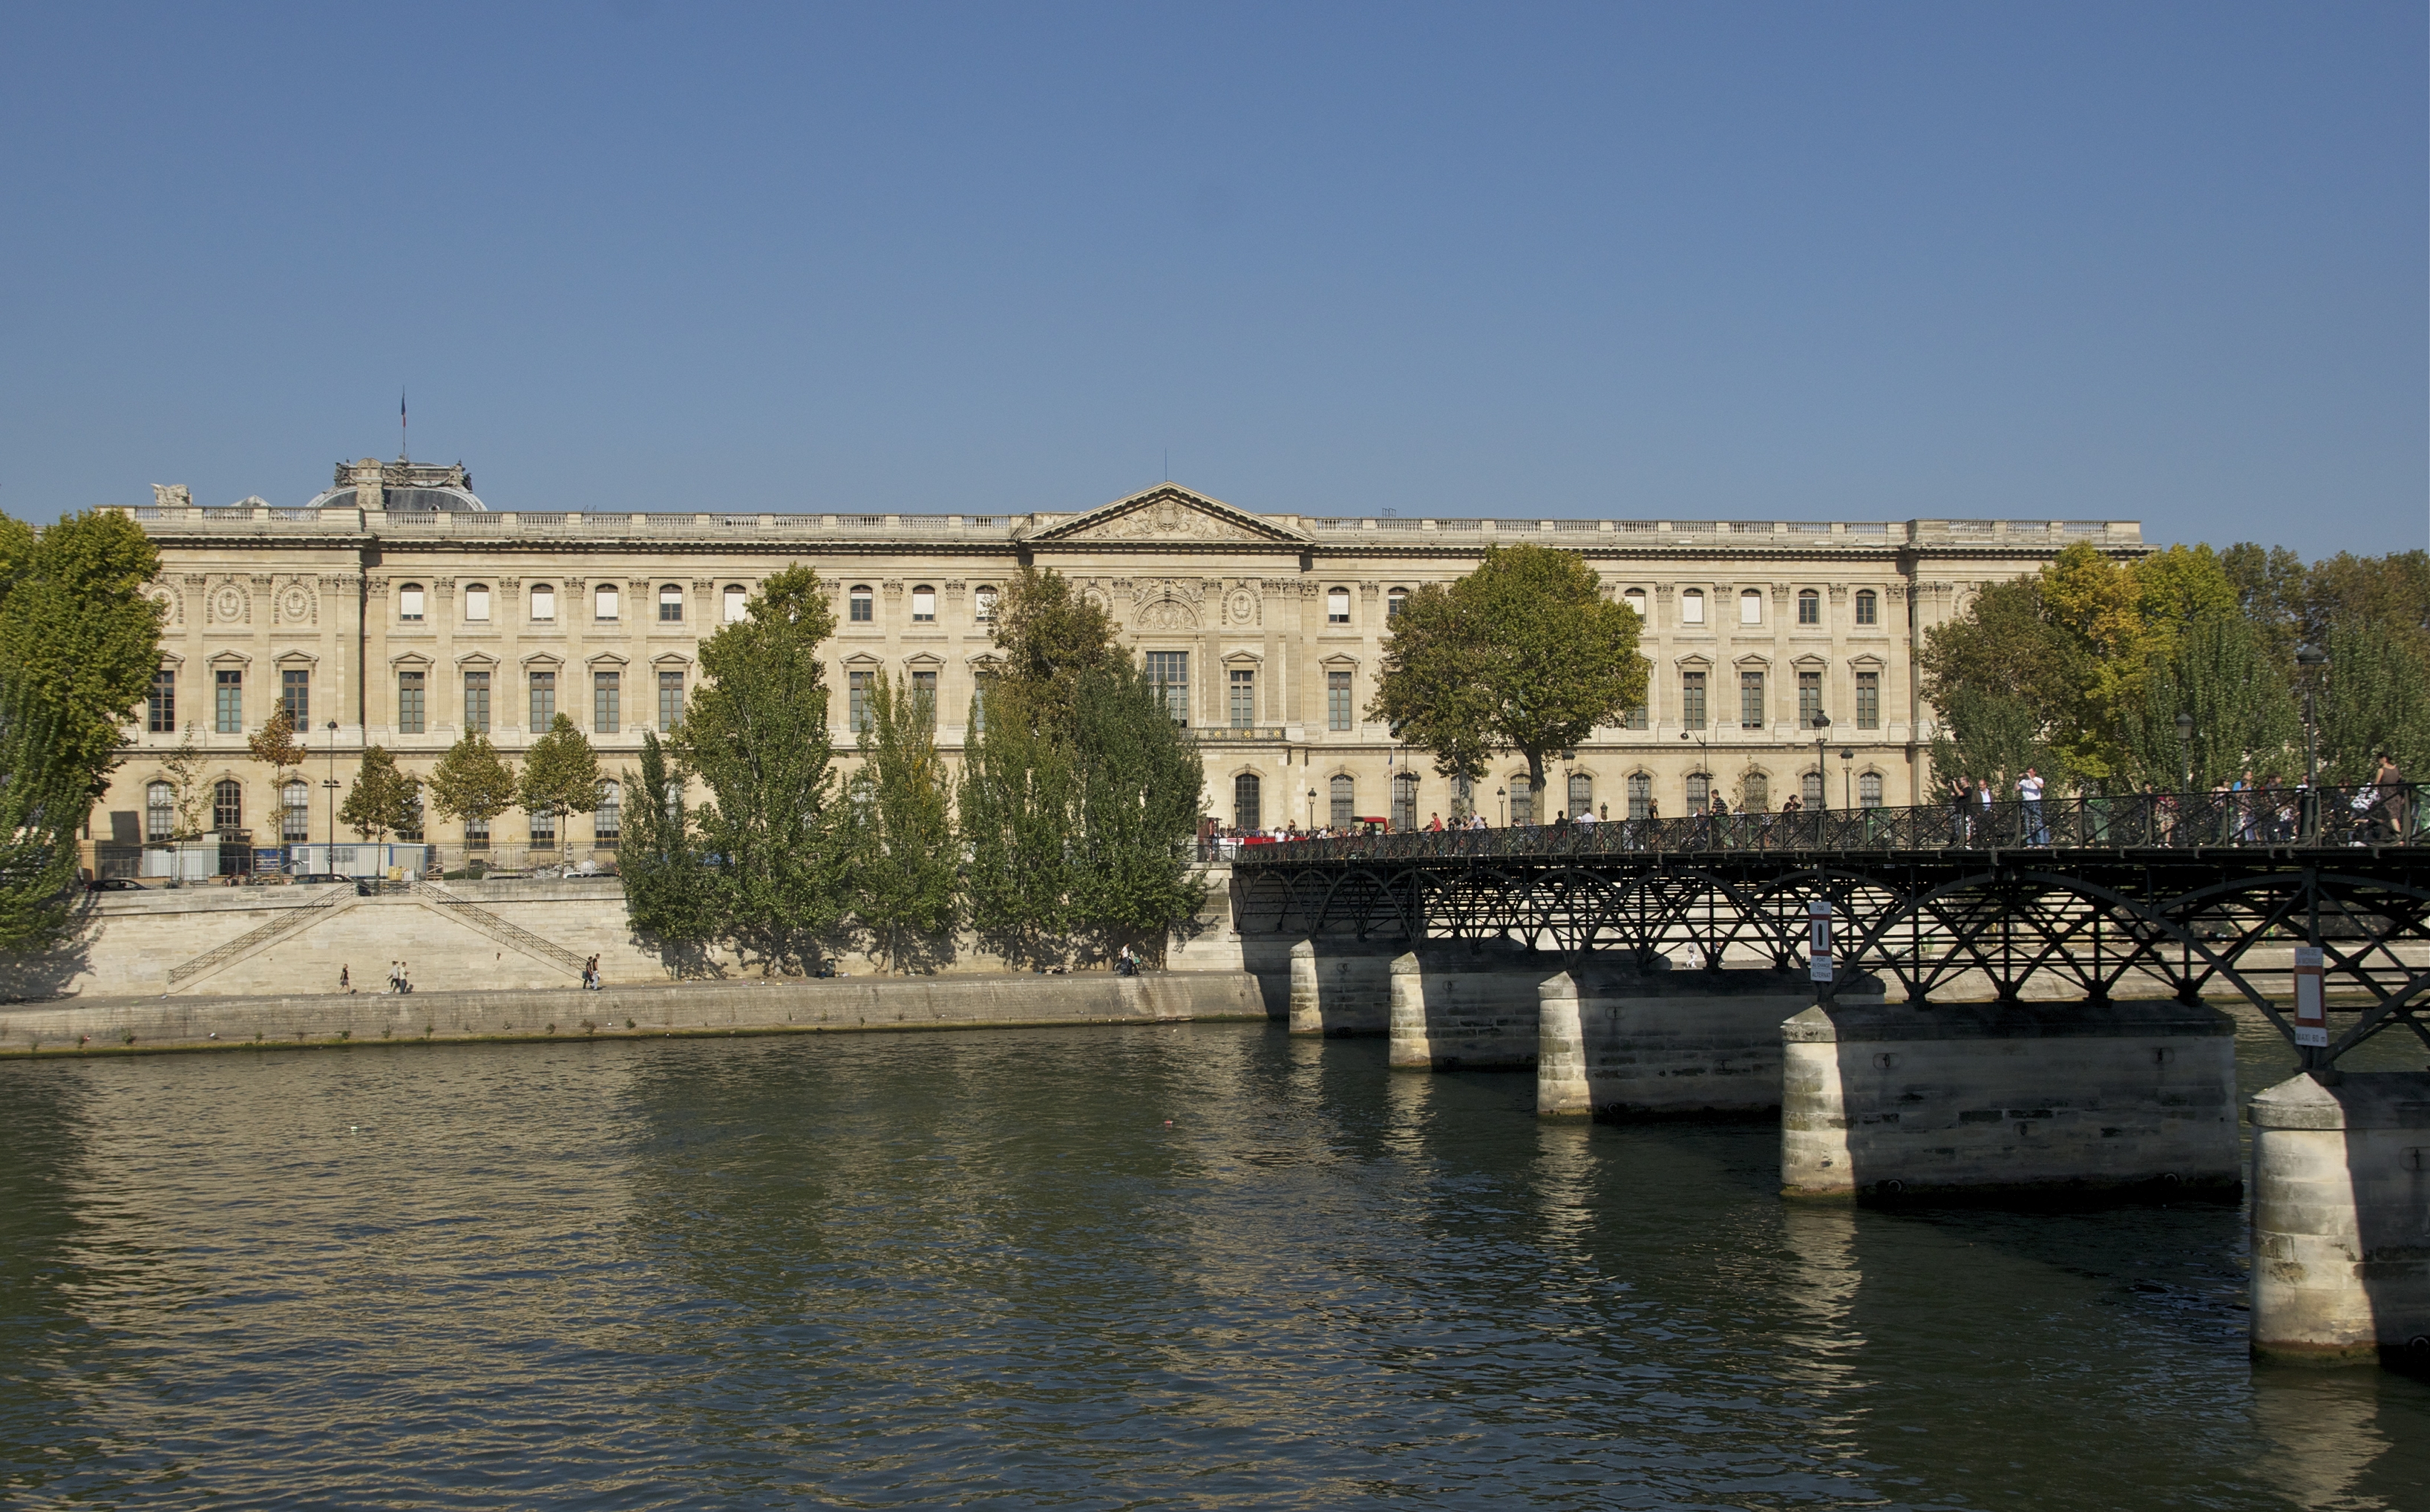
{"type": "Point", "coordinates": [669, 702]}
{"type": "Point", "coordinates": [543, 701]}
{"type": "Point", "coordinates": [543, 832]}
{"type": "Point", "coordinates": [1244, 698]}
{"type": "Point", "coordinates": [1809, 698]}
{"type": "Point", "coordinates": [1869, 700]}
{"type": "Point", "coordinates": [1640, 796]}
{"type": "Point", "coordinates": [476, 833]}
{"type": "Point", "coordinates": [858, 706]}
{"type": "Point", "coordinates": [1868, 608]}
{"type": "Point", "coordinates": [1170, 671]}
{"type": "Point", "coordinates": [1692, 700]}
{"type": "Point", "coordinates": [159, 812]}
{"type": "Point", "coordinates": [477, 604]}
{"type": "Point", "coordinates": [1751, 700]}
{"type": "Point", "coordinates": [1809, 607]}
{"type": "Point", "coordinates": [160, 711]}
{"type": "Point", "coordinates": [607, 693]}
{"type": "Point", "coordinates": [1869, 791]}
{"type": "Point", "coordinates": [864, 606]}
{"type": "Point", "coordinates": [1337, 701]}
{"type": "Point", "coordinates": [543, 602]}
{"type": "Point", "coordinates": [1337, 606]}
{"type": "Point", "coordinates": [477, 703]}
{"type": "Point", "coordinates": [295, 696]}
{"type": "Point", "coordinates": [408, 602]}
{"type": "Point", "coordinates": [1637, 718]}
{"type": "Point", "coordinates": [295, 816]}
{"type": "Point", "coordinates": [924, 693]}
{"type": "Point", "coordinates": [409, 708]}
{"type": "Point", "coordinates": [670, 605]}
{"type": "Point", "coordinates": [227, 713]}
{"type": "Point", "coordinates": [1522, 803]}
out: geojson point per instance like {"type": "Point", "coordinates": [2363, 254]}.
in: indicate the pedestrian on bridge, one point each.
{"type": "Point", "coordinates": [1958, 795]}
{"type": "Point", "coordinates": [2029, 787]}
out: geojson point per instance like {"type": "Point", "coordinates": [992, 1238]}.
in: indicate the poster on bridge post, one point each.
{"type": "Point", "coordinates": [1818, 953]}
{"type": "Point", "coordinates": [2311, 1009]}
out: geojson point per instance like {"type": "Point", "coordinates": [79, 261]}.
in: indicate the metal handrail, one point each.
{"type": "Point", "coordinates": [2282, 818]}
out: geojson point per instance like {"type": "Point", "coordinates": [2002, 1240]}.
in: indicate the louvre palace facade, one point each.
{"type": "Point", "coordinates": [403, 608]}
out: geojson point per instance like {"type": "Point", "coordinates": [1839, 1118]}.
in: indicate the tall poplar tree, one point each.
{"type": "Point", "coordinates": [2220, 673]}
{"type": "Point", "coordinates": [1139, 787]}
{"type": "Point", "coordinates": [1016, 813]}
{"type": "Point", "coordinates": [76, 631]}
{"type": "Point", "coordinates": [671, 894]}
{"type": "Point", "coordinates": [902, 855]}
{"type": "Point", "coordinates": [42, 801]}
{"type": "Point", "coordinates": [2373, 697]}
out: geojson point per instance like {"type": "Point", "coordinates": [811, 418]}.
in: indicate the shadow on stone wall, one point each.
{"type": "Point", "coordinates": [50, 974]}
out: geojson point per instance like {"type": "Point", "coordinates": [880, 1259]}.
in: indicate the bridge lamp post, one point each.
{"type": "Point", "coordinates": [1848, 778]}
{"type": "Point", "coordinates": [2186, 750]}
{"type": "Point", "coordinates": [2313, 663]}
{"type": "Point", "coordinates": [1502, 806]}
{"type": "Point", "coordinates": [1704, 761]}
{"type": "Point", "coordinates": [1821, 759]}
{"type": "Point", "coordinates": [332, 786]}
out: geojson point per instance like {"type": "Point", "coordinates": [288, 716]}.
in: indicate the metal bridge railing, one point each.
{"type": "Point", "coordinates": [2319, 819]}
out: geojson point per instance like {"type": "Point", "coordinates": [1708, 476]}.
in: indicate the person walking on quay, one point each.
{"type": "Point", "coordinates": [344, 984]}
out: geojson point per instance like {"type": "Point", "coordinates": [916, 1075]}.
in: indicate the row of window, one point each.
{"type": "Point", "coordinates": [412, 700]}
{"type": "Point", "coordinates": [295, 815]}
{"type": "Point", "coordinates": [1754, 705]}
{"type": "Point", "coordinates": [1340, 798]}
{"type": "Point", "coordinates": [606, 603]}
{"type": "Point", "coordinates": [1809, 606]}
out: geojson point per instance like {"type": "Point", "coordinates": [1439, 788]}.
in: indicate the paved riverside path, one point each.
{"type": "Point", "coordinates": [745, 1005]}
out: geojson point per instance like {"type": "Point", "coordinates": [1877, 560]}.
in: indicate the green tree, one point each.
{"type": "Point", "coordinates": [2269, 583]}
{"type": "Point", "coordinates": [1050, 636]}
{"type": "Point", "coordinates": [1139, 788]}
{"type": "Point", "coordinates": [900, 859]}
{"type": "Point", "coordinates": [671, 895]}
{"type": "Point", "coordinates": [2374, 696]}
{"type": "Point", "coordinates": [472, 784]}
{"type": "Point", "coordinates": [1523, 655]}
{"type": "Point", "coordinates": [275, 746]}
{"type": "Point", "coordinates": [2391, 591]}
{"type": "Point", "coordinates": [184, 766]}
{"type": "Point", "coordinates": [755, 734]}
{"type": "Point", "coordinates": [384, 800]}
{"type": "Point", "coordinates": [42, 801]}
{"type": "Point", "coordinates": [2220, 673]}
{"type": "Point", "coordinates": [76, 631]}
{"type": "Point", "coordinates": [1987, 734]}
{"type": "Point", "coordinates": [1016, 812]}
{"type": "Point", "coordinates": [560, 774]}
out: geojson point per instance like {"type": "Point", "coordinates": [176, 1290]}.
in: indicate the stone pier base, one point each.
{"type": "Point", "coordinates": [2342, 1216]}
{"type": "Point", "coordinates": [1881, 1100]}
{"type": "Point", "coordinates": [1456, 1007]}
{"type": "Point", "coordinates": [1341, 987]}
{"type": "Point", "coordinates": [1619, 1041]}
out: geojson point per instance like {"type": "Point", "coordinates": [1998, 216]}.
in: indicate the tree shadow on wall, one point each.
{"type": "Point", "coordinates": [36, 976]}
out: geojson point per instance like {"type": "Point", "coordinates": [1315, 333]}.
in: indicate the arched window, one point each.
{"type": "Point", "coordinates": [1869, 791]}
{"type": "Point", "coordinates": [607, 824]}
{"type": "Point", "coordinates": [159, 812]}
{"type": "Point", "coordinates": [670, 604]}
{"type": "Point", "coordinates": [923, 605]}
{"type": "Point", "coordinates": [543, 600]}
{"type": "Point", "coordinates": [1809, 607]}
{"type": "Point", "coordinates": [1811, 794]}
{"type": "Point", "coordinates": [412, 828]}
{"type": "Point", "coordinates": [1405, 801]}
{"type": "Point", "coordinates": [1523, 800]}
{"type": "Point", "coordinates": [984, 597]}
{"type": "Point", "coordinates": [1750, 607]}
{"type": "Point", "coordinates": [603, 602]}
{"type": "Point", "coordinates": [1640, 794]}
{"type": "Point", "coordinates": [295, 814]}
{"type": "Point", "coordinates": [1691, 606]}
{"type": "Point", "coordinates": [1581, 794]}
{"type": "Point", "coordinates": [863, 608]}
{"type": "Point", "coordinates": [1395, 602]}
{"type": "Point", "coordinates": [1755, 794]}
{"type": "Point", "coordinates": [738, 599]}
{"type": "Point", "coordinates": [477, 602]}
{"type": "Point", "coordinates": [1345, 801]}
{"type": "Point", "coordinates": [1869, 606]}
{"type": "Point", "coordinates": [1246, 814]}
{"type": "Point", "coordinates": [1634, 599]}
{"type": "Point", "coordinates": [1700, 792]}
{"type": "Point", "coordinates": [1336, 606]}
{"type": "Point", "coordinates": [408, 601]}
{"type": "Point", "coordinates": [227, 804]}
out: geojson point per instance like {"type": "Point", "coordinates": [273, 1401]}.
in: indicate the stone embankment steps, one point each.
{"type": "Point", "coordinates": [504, 931]}
{"type": "Point", "coordinates": [658, 1008]}
{"type": "Point", "coordinates": [289, 922]}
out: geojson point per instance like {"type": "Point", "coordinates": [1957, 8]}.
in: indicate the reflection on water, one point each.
{"type": "Point", "coordinates": [1206, 1265]}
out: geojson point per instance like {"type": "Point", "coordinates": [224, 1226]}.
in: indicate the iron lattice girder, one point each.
{"type": "Point", "coordinates": [2179, 921]}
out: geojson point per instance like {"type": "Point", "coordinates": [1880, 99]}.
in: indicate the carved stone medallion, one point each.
{"type": "Point", "coordinates": [229, 605]}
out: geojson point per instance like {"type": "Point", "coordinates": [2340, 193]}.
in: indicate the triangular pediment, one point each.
{"type": "Point", "coordinates": [1170, 514]}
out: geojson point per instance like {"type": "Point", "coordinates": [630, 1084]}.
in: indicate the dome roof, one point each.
{"type": "Point", "coordinates": [406, 501]}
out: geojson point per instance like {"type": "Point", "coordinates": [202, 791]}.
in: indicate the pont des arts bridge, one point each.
{"type": "Point", "coordinates": [2013, 1002]}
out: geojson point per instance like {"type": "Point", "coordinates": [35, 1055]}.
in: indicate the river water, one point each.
{"type": "Point", "coordinates": [1195, 1265]}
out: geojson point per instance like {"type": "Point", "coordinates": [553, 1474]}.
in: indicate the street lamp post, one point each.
{"type": "Point", "coordinates": [1848, 778]}
{"type": "Point", "coordinates": [2186, 750]}
{"type": "Point", "coordinates": [1502, 806]}
{"type": "Point", "coordinates": [332, 786]}
{"type": "Point", "coordinates": [2313, 663]}
{"type": "Point", "coordinates": [1822, 767]}
{"type": "Point", "coordinates": [1704, 760]}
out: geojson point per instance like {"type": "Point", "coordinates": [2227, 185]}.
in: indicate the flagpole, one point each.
{"type": "Point", "coordinates": [404, 451]}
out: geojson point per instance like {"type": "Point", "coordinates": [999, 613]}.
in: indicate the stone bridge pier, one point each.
{"type": "Point", "coordinates": [2342, 1216]}
{"type": "Point", "coordinates": [1624, 1040]}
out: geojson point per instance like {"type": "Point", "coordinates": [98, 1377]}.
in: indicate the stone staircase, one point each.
{"type": "Point", "coordinates": [289, 922]}
{"type": "Point", "coordinates": [505, 932]}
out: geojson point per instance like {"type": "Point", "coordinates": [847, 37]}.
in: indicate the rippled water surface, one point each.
{"type": "Point", "coordinates": [951, 1267]}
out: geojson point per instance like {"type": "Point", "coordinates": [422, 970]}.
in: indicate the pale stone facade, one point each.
{"type": "Point", "coordinates": [397, 601]}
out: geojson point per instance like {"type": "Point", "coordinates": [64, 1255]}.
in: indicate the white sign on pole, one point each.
{"type": "Point", "coordinates": [2311, 1011]}
{"type": "Point", "coordinates": [1818, 919]}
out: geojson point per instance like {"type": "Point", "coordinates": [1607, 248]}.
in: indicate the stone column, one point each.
{"type": "Point", "coordinates": [1562, 1090]}
{"type": "Point", "coordinates": [1340, 987]}
{"type": "Point", "coordinates": [2340, 1214]}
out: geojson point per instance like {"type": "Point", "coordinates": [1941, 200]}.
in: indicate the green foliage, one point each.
{"type": "Point", "coordinates": [1522, 654]}
{"type": "Point", "coordinates": [900, 860]}
{"type": "Point", "coordinates": [670, 892]}
{"type": "Point", "coordinates": [2374, 697]}
{"type": "Point", "coordinates": [755, 734]}
{"type": "Point", "coordinates": [1017, 806]}
{"type": "Point", "coordinates": [43, 797]}
{"type": "Point", "coordinates": [1139, 785]}
{"type": "Point", "coordinates": [275, 745]}
{"type": "Point", "coordinates": [1992, 736]}
{"type": "Point", "coordinates": [1049, 638]}
{"type": "Point", "coordinates": [2218, 672]}
{"type": "Point", "coordinates": [384, 800]}
{"type": "Point", "coordinates": [560, 772]}
{"type": "Point", "coordinates": [473, 783]}
{"type": "Point", "coordinates": [77, 632]}
{"type": "Point", "coordinates": [183, 767]}
{"type": "Point", "coordinates": [2270, 585]}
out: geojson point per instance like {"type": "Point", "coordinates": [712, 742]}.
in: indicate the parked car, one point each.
{"type": "Point", "coordinates": [114, 885]}
{"type": "Point", "coordinates": [320, 876]}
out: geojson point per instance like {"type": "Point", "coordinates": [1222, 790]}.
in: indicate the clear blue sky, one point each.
{"type": "Point", "coordinates": [1793, 261]}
